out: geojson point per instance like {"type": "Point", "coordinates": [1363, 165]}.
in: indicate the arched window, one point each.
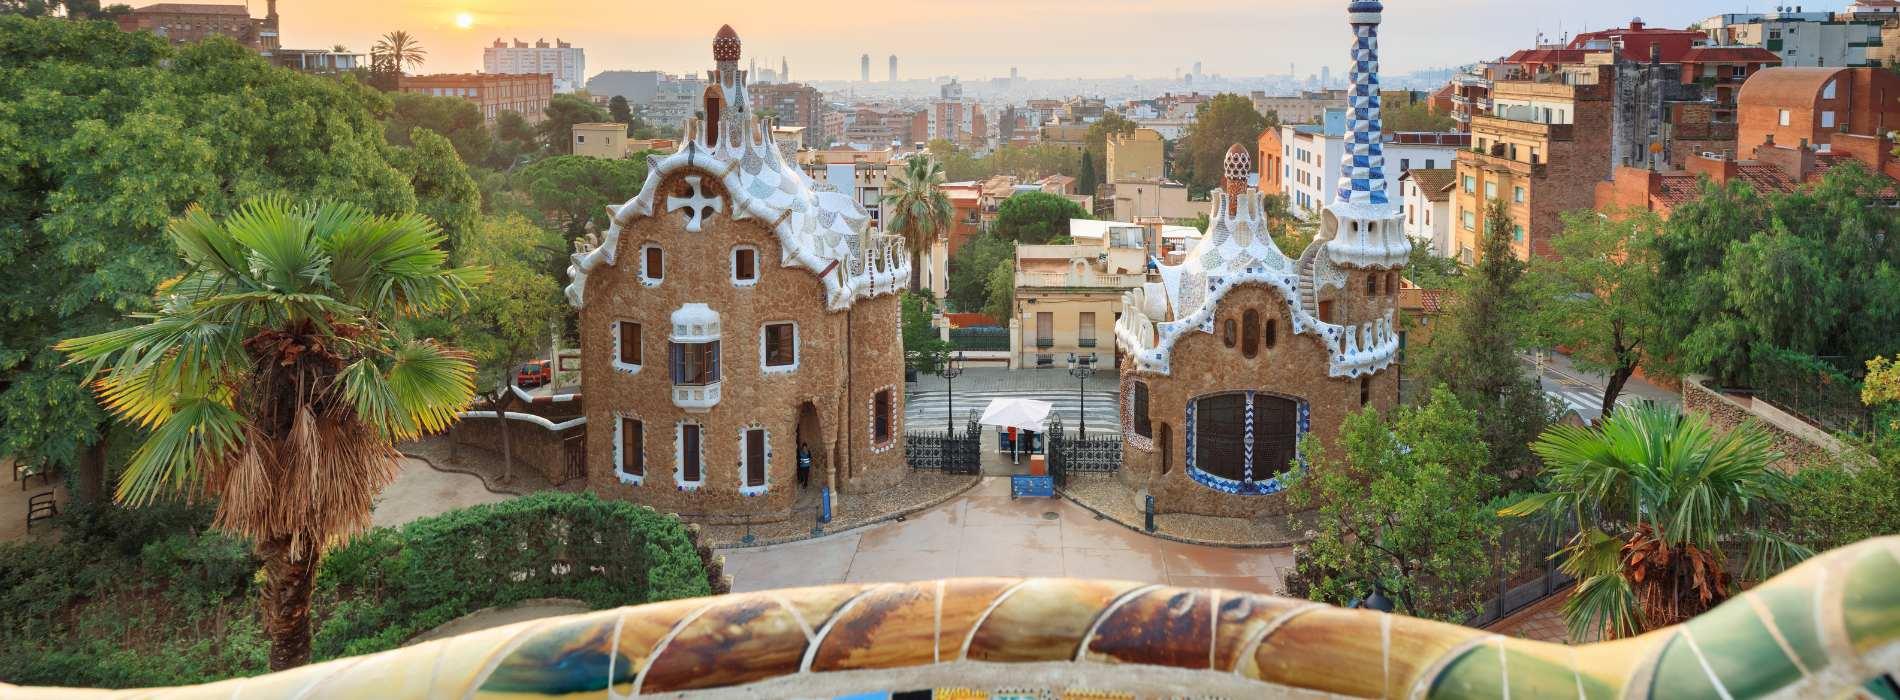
{"type": "Point", "coordinates": [1272, 335]}
{"type": "Point", "coordinates": [1250, 333]}
{"type": "Point", "coordinates": [1365, 390]}
{"type": "Point", "coordinates": [1372, 284]}
{"type": "Point", "coordinates": [1242, 439]}
{"type": "Point", "coordinates": [1392, 283]}
{"type": "Point", "coordinates": [714, 100]}
{"type": "Point", "coordinates": [1227, 333]}
{"type": "Point", "coordinates": [1139, 410]}
{"type": "Point", "coordinates": [1167, 448]}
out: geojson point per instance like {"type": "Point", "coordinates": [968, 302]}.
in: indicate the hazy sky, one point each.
{"type": "Point", "coordinates": [976, 39]}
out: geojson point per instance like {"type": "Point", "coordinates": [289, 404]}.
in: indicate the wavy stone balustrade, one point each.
{"type": "Point", "coordinates": [1829, 628]}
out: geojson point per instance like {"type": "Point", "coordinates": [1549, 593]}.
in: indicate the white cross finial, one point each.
{"type": "Point", "coordinates": [695, 205]}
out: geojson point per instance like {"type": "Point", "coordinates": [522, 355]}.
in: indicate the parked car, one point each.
{"type": "Point", "coordinates": [534, 373]}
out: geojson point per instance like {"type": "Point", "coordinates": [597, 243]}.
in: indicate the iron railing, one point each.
{"type": "Point", "coordinates": [948, 451]}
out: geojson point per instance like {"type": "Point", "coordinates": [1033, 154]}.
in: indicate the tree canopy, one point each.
{"type": "Point", "coordinates": [1219, 123]}
{"type": "Point", "coordinates": [1036, 218]}
{"type": "Point", "coordinates": [970, 270]}
{"type": "Point", "coordinates": [453, 117]}
{"type": "Point", "coordinates": [563, 112]}
{"type": "Point", "coordinates": [1417, 116]}
{"type": "Point", "coordinates": [1592, 296]}
{"type": "Point", "coordinates": [108, 136]}
{"type": "Point", "coordinates": [571, 193]}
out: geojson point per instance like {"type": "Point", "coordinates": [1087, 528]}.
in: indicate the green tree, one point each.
{"type": "Point", "coordinates": [397, 52]}
{"type": "Point", "coordinates": [970, 269]}
{"type": "Point", "coordinates": [1000, 293]}
{"type": "Point", "coordinates": [444, 190]}
{"type": "Point", "coordinates": [563, 112]}
{"type": "Point", "coordinates": [958, 164]}
{"type": "Point", "coordinates": [1592, 296]}
{"type": "Point", "coordinates": [1219, 123]}
{"type": "Point", "coordinates": [452, 117]}
{"type": "Point", "coordinates": [619, 110]}
{"type": "Point", "coordinates": [1095, 142]}
{"type": "Point", "coordinates": [1652, 495]}
{"type": "Point", "coordinates": [923, 349]}
{"type": "Point", "coordinates": [915, 207]}
{"type": "Point", "coordinates": [1085, 178]}
{"type": "Point", "coordinates": [1748, 276]}
{"type": "Point", "coordinates": [1428, 270]}
{"type": "Point", "coordinates": [572, 193]}
{"type": "Point", "coordinates": [275, 378]}
{"type": "Point", "coordinates": [108, 136]}
{"type": "Point", "coordinates": [1417, 116]}
{"type": "Point", "coordinates": [515, 140]}
{"type": "Point", "coordinates": [1401, 507]}
{"type": "Point", "coordinates": [1036, 217]}
{"type": "Point", "coordinates": [1474, 351]}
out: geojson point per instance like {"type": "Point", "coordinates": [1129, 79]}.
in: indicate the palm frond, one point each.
{"type": "Point", "coordinates": [197, 431]}
{"type": "Point", "coordinates": [424, 389]}
{"type": "Point", "coordinates": [1604, 604]}
{"type": "Point", "coordinates": [394, 265]}
{"type": "Point", "coordinates": [281, 252]}
{"type": "Point", "coordinates": [205, 244]}
{"type": "Point", "coordinates": [1770, 553]}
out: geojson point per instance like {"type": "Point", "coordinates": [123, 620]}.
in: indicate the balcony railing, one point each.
{"type": "Point", "coordinates": [1086, 280]}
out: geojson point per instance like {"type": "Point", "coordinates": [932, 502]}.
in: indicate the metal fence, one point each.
{"type": "Point", "coordinates": [1824, 391]}
{"type": "Point", "coordinates": [948, 451]}
{"type": "Point", "coordinates": [980, 338]}
{"type": "Point", "coordinates": [1523, 571]}
{"type": "Point", "coordinates": [1075, 454]}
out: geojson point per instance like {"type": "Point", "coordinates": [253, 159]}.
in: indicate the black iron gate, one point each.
{"type": "Point", "coordinates": [574, 457]}
{"type": "Point", "coordinates": [948, 451]}
{"type": "Point", "coordinates": [1069, 455]}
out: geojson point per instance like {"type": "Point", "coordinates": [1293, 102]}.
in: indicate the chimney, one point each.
{"type": "Point", "coordinates": [1655, 54]}
{"type": "Point", "coordinates": [270, 9]}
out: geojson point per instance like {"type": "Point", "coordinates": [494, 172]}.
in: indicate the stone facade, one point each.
{"type": "Point", "coordinates": [1801, 445]}
{"type": "Point", "coordinates": [724, 240]}
{"type": "Point", "coordinates": [1295, 366]}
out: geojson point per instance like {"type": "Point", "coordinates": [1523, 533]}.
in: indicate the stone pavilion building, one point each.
{"type": "Point", "coordinates": [1234, 354]}
{"type": "Point", "coordinates": [734, 314]}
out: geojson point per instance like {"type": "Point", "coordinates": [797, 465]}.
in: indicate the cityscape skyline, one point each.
{"type": "Point", "coordinates": [1044, 44]}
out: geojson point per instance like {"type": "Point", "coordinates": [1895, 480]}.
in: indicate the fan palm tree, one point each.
{"type": "Point", "coordinates": [273, 378]}
{"type": "Point", "coordinates": [397, 51]}
{"type": "Point", "coordinates": [916, 208]}
{"type": "Point", "coordinates": [1654, 495]}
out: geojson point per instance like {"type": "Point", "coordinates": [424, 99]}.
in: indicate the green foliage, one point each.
{"type": "Point", "coordinates": [1834, 506]}
{"type": "Point", "coordinates": [512, 317]}
{"type": "Point", "coordinates": [1427, 270]}
{"type": "Point", "coordinates": [1219, 123]}
{"type": "Point", "coordinates": [444, 190]}
{"type": "Point", "coordinates": [563, 112]}
{"type": "Point", "coordinates": [1815, 272]}
{"type": "Point", "coordinates": [391, 585]}
{"type": "Point", "coordinates": [1000, 289]}
{"type": "Point", "coordinates": [922, 346]}
{"type": "Point", "coordinates": [1035, 218]}
{"type": "Point", "coordinates": [110, 134]}
{"type": "Point", "coordinates": [455, 118]}
{"type": "Point", "coordinates": [1651, 476]}
{"type": "Point", "coordinates": [1403, 507]}
{"type": "Point", "coordinates": [571, 193]}
{"type": "Point", "coordinates": [971, 268]}
{"type": "Point", "coordinates": [1095, 142]}
{"type": "Point", "coordinates": [1592, 296]}
{"type": "Point", "coordinates": [515, 141]}
{"type": "Point", "coordinates": [618, 109]}
{"type": "Point", "coordinates": [1417, 116]}
{"type": "Point", "coordinates": [1474, 353]}
{"type": "Point", "coordinates": [1086, 180]}
{"type": "Point", "coordinates": [916, 208]}
{"type": "Point", "coordinates": [149, 597]}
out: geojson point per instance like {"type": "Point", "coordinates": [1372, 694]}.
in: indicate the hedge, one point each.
{"type": "Point", "coordinates": [151, 597]}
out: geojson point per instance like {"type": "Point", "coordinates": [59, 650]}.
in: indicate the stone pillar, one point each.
{"type": "Point", "coordinates": [1015, 342]}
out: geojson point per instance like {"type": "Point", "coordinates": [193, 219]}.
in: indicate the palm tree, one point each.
{"type": "Point", "coordinates": [916, 208]}
{"type": "Point", "coordinates": [397, 51]}
{"type": "Point", "coordinates": [275, 379]}
{"type": "Point", "coordinates": [1654, 495]}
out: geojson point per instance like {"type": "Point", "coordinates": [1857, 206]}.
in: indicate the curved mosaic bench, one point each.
{"type": "Point", "coordinates": [1829, 628]}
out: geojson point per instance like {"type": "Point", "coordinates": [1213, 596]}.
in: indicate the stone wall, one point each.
{"type": "Point", "coordinates": [1802, 445]}
{"type": "Point", "coordinates": [843, 359]}
{"type": "Point", "coordinates": [534, 447]}
{"type": "Point", "coordinates": [1296, 366]}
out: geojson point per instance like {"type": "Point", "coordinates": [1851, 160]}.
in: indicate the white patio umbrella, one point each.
{"type": "Point", "coordinates": [1022, 414]}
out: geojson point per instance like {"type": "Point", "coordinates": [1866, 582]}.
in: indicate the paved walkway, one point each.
{"type": "Point", "coordinates": [420, 491]}
{"type": "Point", "coordinates": [985, 533]}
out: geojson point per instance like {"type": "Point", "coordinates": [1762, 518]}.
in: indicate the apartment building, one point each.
{"type": "Point", "coordinates": [564, 61]}
{"type": "Point", "coordinates": [796, 104]}
{"type": "Point", "coordinates": [1135, 156]}
{"type": "Point", "coordinates": [1307, 107]}
{"type": "Point", "coordinates": [1801, 39]}
{"type": "Point", "coordinates": [1067, 297]}
{"type": "Point", "coordinates": [492, 93]}
{"type": "Point", "coordinates": [1426, 198]}
{"type": "Point", "coordinates": [1800, 107]}
{"type": "Point", "coordinates": [187, 23]}
{"type": "Point", "coordinates": [1314, 153]}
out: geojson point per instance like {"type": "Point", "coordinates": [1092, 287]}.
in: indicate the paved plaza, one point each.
{"type": "Point", "coordinates": [985, 533]}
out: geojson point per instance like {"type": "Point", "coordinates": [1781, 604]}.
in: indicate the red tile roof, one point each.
{"type": "Point", "coordinates": [1765, 178]}
{"type": "Point", "coordinates": [1824, 162]}
{"type": "Point", "coordinates": [1433, 300]}
{"type": "Point", "coordinates": [1677, 190]}
{"type": "Point", "coordinates": [1548, 56]}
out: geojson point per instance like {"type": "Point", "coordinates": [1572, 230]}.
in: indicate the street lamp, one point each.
{"type": "Point", "coordinates": [952, 367]}
{"type": "Point", "coordinates": [1082, 370]}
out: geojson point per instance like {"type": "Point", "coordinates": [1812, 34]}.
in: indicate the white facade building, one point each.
{"type": "Point", "coordinates": [562, 60]}
{"type": "Point", "coordinates": [1801, 39]}
{"type": "Point", "coordinates": [1426, 198]}
{"type": "Point", "coordinates": [1313, 153]}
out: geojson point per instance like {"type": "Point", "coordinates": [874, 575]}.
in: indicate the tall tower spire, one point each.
{"type": "Point", "coordinates": [1362, 180]}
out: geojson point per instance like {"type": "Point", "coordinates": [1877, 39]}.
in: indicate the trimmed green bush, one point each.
{"type": "Point", "coordinates": [135, 598]}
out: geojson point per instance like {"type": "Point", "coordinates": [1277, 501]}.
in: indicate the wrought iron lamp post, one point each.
{"type": "Point", "coordinates": [1082, 369]}
{"type": "Point", "coordinates": [952, 368]}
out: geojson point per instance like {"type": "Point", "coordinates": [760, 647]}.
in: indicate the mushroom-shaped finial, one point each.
{"type": "Point", "coordinates": [726, 44]}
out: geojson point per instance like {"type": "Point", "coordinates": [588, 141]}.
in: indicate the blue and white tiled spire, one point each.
{"type": "Point", "coordinates": [1362, 225]}
{"type": "Point", "coordinates": [1362, 177]}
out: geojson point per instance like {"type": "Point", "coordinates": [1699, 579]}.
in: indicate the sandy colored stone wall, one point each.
{"type": "Point", "coordinates": [841, 357]}
{"type": "Point", "coordinates": [534, 447]}
{"type": "Point", "coordinates": [1296, 366]}
{"type": "Point", "coordinates": [1801, 445]}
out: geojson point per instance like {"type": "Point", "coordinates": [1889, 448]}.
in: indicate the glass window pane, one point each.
{"type": "Point", "coordinates": [1220, 428]}
{"type": "Point", "coordinates": [1276, 432]}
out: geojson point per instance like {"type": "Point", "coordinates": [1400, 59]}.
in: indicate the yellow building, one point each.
{"type": "Point", "coordinates": [1135, 156]}
{"type": "Point", "coordinates": [1142, 200]}
{"type": "Point", "coordinates": [1068, 296]}
{"type": "Point", "coordinates": [601, 139]}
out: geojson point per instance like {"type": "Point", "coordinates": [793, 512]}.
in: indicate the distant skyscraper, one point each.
{"type": "Point", "coordinates": [864, 68]}
{"type": "Point", "coordinates": [1197, 68]}
{"type": "Point", "coordinates": [1325, 77]}
{"type": "Point", "coordinates": [1012, 74]}
{"type": "Point", "coordinates": [784, 70]}
{"type": "Point", "coordinates": [893, 68]}
{"type": "Point", "coordinates": [562, 60]}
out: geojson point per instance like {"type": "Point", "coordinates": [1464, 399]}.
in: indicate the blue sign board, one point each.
{"type": "Point", "coordinates": [1023, 485]}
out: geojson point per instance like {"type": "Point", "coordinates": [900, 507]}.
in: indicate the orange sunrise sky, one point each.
{"type": "Point", "coordinates": [974, 39]}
